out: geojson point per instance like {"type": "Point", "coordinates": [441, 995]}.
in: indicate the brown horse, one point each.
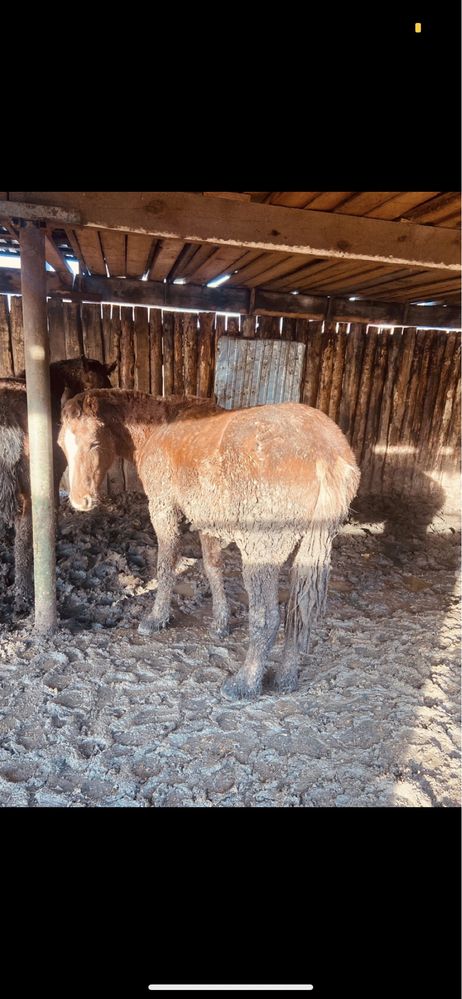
{"type": "Point", "coordinates": [67, 378]}
{"type": "Point", "coordinates": [276, 480]}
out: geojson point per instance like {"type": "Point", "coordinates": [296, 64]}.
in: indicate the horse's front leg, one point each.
{"type": "Point", "coordinates": [211, 554]}
{"type": "Point", "coordinates": [167, 528]}
{"type": "Point", "coordinates": [59, 467]}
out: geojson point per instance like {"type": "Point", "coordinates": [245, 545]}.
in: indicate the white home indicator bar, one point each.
{"type": "Point", "coordinates": [232, 988]}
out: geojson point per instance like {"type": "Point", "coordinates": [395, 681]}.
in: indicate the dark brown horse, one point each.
{"type": "Point", "coordinates": [276, 480]}
{"type": "Point", "coordinates": [67, 378]}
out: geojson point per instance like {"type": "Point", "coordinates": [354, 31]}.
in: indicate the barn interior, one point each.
{"type": "Point", "coordinates": [346, 301]}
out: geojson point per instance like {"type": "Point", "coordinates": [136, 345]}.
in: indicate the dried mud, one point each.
{"type": "Point", "coordinates": [101, 716]}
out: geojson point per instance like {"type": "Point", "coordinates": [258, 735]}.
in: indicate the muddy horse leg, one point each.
{"type": "Point", "coordinates": [285, 677]}
{"type": "Point", "coordinates": [308, 581]}
{"type": "Point", "coordinates": [261, 583]}
{"type": "Point", "coordinates": [167, 528]}
{"type": "Point", "coordinates": [211, 554]}
{"type": "Point", "coordinates": [59, 467]}
{"type": "Point", "coordinates": [23, 559]}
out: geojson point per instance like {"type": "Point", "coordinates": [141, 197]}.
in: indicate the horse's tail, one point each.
{"type": "Point", "coordinates": [310, 571]}
{"type": "Point", "coordinates": [11, 455]}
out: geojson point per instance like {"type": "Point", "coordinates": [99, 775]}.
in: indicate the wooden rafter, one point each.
{"type": "Point", "coordinates": [54, 257]}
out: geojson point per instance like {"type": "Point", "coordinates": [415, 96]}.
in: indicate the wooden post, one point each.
{"type": "Point", "coordinates": [167, 323]}
{"type": "Point", "coordinates": [36, 349]}
{"type": "Point", "coordinates": [155, 323]}
{"type": "Point", "coordinates": [190, 352]}
{"type": "Point", "coordinates": [205, 360]}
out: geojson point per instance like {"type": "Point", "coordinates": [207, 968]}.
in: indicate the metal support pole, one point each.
{"type": "Point", "coordinates": [37, 355]}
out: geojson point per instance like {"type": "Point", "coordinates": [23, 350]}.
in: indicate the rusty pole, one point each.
{"type": "Point", "coordinates": [37, 355]}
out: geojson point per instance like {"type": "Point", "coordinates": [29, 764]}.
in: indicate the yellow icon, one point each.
{"type": "Point", "coordinates": [418, 27]}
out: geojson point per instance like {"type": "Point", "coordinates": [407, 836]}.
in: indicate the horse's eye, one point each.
{"type": "Point", "coordinates": [93, 445]}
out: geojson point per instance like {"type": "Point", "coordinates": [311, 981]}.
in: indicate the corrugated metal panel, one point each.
{"type": "Point", "coordinates": [254, 372]}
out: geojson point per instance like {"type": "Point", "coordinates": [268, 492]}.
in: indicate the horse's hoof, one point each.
{"type": "Point", "coordinates": [221, 629]}
{"type": "Point", "coordinates": [235, 689]}
{"type": "Point", "coordinates": [285, 684]}
{"type": "Point", "coordinates": [148, 627]}
{"type": "Point", "coordinates": [22, 606]}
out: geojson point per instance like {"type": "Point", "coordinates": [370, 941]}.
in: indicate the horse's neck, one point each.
{"type": "Point", "coordinates": [137, 420]}
{"type": "Point", "coordinates": [131, 439]}
{"type": "Point", "coordinates": [132, 429]}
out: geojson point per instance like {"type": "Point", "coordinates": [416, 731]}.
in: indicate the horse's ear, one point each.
{"type": "Point", "coordinates": [83, 361]}
{"type": "Point", "coordinates": [110, 367]}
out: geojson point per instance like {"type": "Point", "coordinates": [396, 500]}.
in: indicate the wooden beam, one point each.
{"type": "Point", "coordinates": [10, 281]}
{"type": "Point", "coordinates": [195, 219]}
{"type": "Point", "coordinates": [55, 258]}
{"type": "Point", "coordinates": [74, 242]}
{"type": "Point", "coordinates": [343, 310]}
{"type": "Point", "coordinates": [13, 230]}
{"type": "Point", "coordinates": [39, 212]}
{"type": "Point", "coordinates": [230, 195]}
{"type": "Point", "coordinates": [244, 301]}
{"type": "Point", "coordinates": [37, 358]}
{"type": "Point", "coordinates": [182, 296]}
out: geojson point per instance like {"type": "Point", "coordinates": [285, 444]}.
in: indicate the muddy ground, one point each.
{"type": "Point", "coordinates": [101, 716]}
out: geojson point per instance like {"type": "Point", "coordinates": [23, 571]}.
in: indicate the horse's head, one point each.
{"type": "Point", "coordinates": [89, 448]}
{"type": "Point", "coordinates": [94, 374]}
{"type": "Point", "coordinates": [69, 378]}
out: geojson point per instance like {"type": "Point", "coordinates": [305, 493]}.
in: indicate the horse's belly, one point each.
{"type": "Point", "coordinates": [225, 498]}
{"type": "Point", "coordinates": [248, 508]}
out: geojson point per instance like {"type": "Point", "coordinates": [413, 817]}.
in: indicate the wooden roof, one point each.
{"type": "Point", "coordinates": [117, 254]}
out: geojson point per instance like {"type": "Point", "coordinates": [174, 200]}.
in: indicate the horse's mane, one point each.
{"type": "Point", "coordinates": [129, 406]}
{"type": "Point", "coordinates": [72, 366]}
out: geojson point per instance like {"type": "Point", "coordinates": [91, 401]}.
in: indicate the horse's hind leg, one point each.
{"type": "Point", "coordinates": [308, 584]}
{"type": "Point", "coordinates": [211, 553]}
{"type": "Point", "coordinates": [23, 559]}
{"type": "Point", "coordinates": [166, 526]}
{"type": "Point", "coordinates": [261, 583]}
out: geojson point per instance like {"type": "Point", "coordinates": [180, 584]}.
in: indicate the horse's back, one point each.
{"type": "Point", "coordinates": [13, 403]}
{"type": "Point", "coordinates": [289, 428]}
{"type": "Point", "coordinates": [269, 436]}
{"type": "Point", "coordinates": [292, 448]}
{"type": "Point", "coordinates": [272, 462]}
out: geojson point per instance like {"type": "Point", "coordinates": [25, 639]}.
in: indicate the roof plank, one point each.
{"type": "Point", "coordinates": [221, 260]}
{"type": "Point", "coordinates": [114, 249]}
{"type": "Point", "coordinates": [90, 248]}
{"type": "Point", "coordinates": [166, 253]}
{"type": "Point", "coordinates": [397, 206]}
{"type": "Point", "coordinates": [138, 250]}
{"type": "Point", "coordinates": [436, 209]}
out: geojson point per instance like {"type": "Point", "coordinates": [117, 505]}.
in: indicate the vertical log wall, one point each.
{"type": "Point", "coordinates": [395, 392]}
